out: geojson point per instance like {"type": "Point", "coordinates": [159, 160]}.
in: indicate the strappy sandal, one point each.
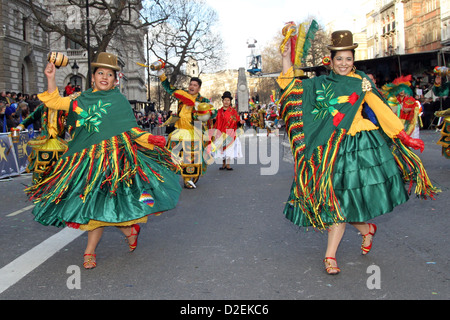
{"type": "Point", "coordinates": [91, 262]}
{"type": "Point", "coordinates": [137, 228]}
{"type": "Point", "coordinates": [366, 249]}
{"type": "Point", "coordinates": [329, 268]}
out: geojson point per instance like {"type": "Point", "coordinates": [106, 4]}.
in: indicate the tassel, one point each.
{"type": "Point", "coordinates": [314, 192]}
{"type": "Point", "coordinates": [413, 171]}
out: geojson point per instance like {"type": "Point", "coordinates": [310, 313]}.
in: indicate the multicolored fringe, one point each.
{"type": "Point", "coordinates": [413, 171]}
{"type": "Point", "coordinates": [313, 193]}
{"type": "Point", "coordinates": [162, 156]}
{"type": "Point", "coordinates": [109, 163]}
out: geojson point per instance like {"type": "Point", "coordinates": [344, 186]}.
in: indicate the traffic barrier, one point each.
{"type": "Point", "coordinates": [14, 156]}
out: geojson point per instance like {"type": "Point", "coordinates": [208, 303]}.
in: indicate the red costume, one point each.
{"type": "Point", "coordinates": [227, 123]}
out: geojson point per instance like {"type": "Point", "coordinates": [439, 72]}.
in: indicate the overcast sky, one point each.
{"type": "Point", "coordinates": [241, 20]}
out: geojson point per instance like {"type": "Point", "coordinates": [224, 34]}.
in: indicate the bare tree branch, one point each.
{"type": "Point", "coordinates": [188, 33]}
{"type": "Point", "coordinates": [109, 17]}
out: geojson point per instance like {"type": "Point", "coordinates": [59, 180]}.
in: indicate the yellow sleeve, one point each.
{"type": "Point", "coordinates": [390, 123]}
{"type": "Point", "coordinates": [55, 101]}
{"type": "Point", "coordinates": [285, 78]}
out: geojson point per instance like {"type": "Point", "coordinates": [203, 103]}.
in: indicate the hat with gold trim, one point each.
{"type": "Point", "coordinates": [342, 40]}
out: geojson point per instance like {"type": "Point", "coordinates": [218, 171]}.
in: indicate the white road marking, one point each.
{"type": "Point", "coordinates": [15, 213]}
{"type": "Point", "coordinates": [19, 268]}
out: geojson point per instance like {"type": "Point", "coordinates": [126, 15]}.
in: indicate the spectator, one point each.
{"type": "Point", "coordinates": [2, 117]}
{"type": "Point", "coordinates": [68, 90]}
{"type": "Point", "coordinates": [152, 121]}
{"type": "Point", "coordinates": [8, 98]}
{"type": "Point", "coordinates": [33, 102]}
{"type": "Point", "coordinates": [3, 97]}
{"type": "Point", "coordinates": [11, 120]}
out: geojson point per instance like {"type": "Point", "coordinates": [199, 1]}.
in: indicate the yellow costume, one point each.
{"type": "Point", "coordinates": [187, 140]}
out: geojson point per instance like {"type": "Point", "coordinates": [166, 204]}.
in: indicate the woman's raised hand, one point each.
{"type": "Point", "coordinates": [50, 73]}
{"type": "Point", "coordinates": [287, 50]}
{"type": "Point", "coordinates": [50, 70]}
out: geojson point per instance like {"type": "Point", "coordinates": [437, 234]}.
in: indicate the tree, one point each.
{"type": "Point", "coordinates": [105, 20]}
{"type": "Point", "coordinates": [188, 33]}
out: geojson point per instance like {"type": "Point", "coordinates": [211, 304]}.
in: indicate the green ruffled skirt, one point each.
{"type": "Point", "coordinates": [110, 183]}
{"type": "Point", "coordinates": [366, 181]}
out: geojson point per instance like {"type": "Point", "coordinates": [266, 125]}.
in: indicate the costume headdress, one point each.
{"type": "Point", "coordinates": [300, 42]}
{"type": "Point", "coordinates": [398, 85]}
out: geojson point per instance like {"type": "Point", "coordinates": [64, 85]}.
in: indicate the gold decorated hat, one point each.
{"type": "Point", "coordinates": [106, 60]}
{"type": "Point", "coordinates": [342, 40]}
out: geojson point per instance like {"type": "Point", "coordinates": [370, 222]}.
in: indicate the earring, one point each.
{"type": "Point", "coordinates": [354, 68]}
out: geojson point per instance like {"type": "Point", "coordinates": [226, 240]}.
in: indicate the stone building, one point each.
{"type": "Point", "coordinates": [24, 47]}
{"type": "Point", "coordinates": [405, 26]}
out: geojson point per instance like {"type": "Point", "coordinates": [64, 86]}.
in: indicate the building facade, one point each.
{"type": "Point", "coordinates": [406, 26]}
{"type": "Point", "coordinates": [24, 47]}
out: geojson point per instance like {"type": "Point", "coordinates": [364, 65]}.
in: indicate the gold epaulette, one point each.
{"type": "Point", "coordinates": [75, 95]}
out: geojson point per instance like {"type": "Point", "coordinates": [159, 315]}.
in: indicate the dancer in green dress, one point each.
{"type": "Point", "coordinates": [113, 173]}
{"type": "Point", "coordinates": [348, 169]}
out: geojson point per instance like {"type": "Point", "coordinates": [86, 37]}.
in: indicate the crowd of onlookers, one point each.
{"type": "Point", "coordinates": [153, 119]}
{"type": "Point", "coordinates": [14, 107]}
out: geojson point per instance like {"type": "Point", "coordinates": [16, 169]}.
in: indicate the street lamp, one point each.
{"type": "Point", "coordinates": [75, 68]}
{"type": "Point", "coordinates": [391, 50]}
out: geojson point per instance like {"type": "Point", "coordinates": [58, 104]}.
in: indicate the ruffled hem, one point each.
{"type": "Point", "coordinates": [94, 224]}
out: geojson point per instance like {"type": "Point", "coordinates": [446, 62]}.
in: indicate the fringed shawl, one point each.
{"type": "Point", "coordinates": [318, 113]}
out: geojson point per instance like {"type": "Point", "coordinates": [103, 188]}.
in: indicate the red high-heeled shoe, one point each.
{"type": "Point", "coordinates": [329, 268]}
{"type": "Point", "coordinates": [91, 262]}
{"type": "Point", "coordinates": [137, 229]}
{"type": "Point", "coordinates": [366, 249]}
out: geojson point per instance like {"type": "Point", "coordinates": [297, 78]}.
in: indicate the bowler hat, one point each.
{"type": "Point", "coordinates": [106, 60]}
{"type": "Point", "coordinates": [227, 94]}
{"type": "Point", "coordinates": [342, 40]}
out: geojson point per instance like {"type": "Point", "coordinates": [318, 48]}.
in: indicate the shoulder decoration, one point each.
{"type": "Point", "coordinates": [75, 95]}
{"type": "Point", "coordinates": [366, 85]}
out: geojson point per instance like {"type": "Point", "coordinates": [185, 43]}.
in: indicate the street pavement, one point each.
{"type": "Point", "coordinates": [229, 240]}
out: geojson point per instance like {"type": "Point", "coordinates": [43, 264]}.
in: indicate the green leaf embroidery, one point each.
{"type": "Point", "coordinates": [325, 98]}
{"type": "Point", "coordinates": [91, 118]}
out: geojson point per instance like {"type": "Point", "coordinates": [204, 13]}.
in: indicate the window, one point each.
{"type": "Point", "coordinates": [24, 29]}
{"type": "Point", "coordinates": [72, 44]}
